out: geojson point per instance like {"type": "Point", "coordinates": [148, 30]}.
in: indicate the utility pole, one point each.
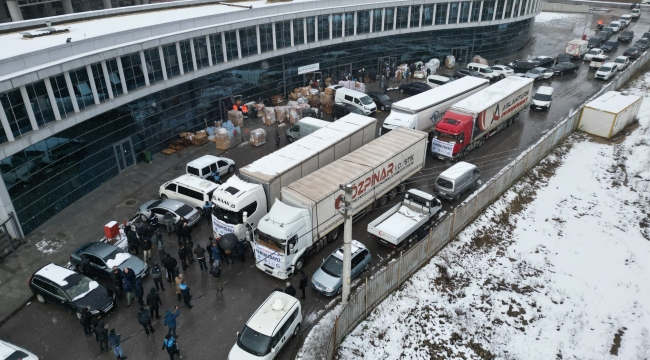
{"type": "Point", "coordinates": [347, 242]}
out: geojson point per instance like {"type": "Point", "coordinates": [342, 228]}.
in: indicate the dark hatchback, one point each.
{"type": "Point", "coordinates": [610, 45]}
{"type": "Point", "coordinates": [413, 88]}
{"type": "Point", "coordinates": [626, 36]}
{"type": "Point", "coordinates": [382, 100]}
{"type": "Point", "coordinates": [461, 73]}
{"type": "Point", "coordinates": [594, 42]}
{"type": "Point", "coordinates": [522, 66]}
{"type": "Point", "coordinates": [339, 110]}
{"type": "Point", "coordinates": [633, 53]}
{"type": "Point", "coordinates": [565, 68]}
{"type": "Point", "coordinates": [65, 288]}
{"type": "Point", "coordinates": [642, 44]}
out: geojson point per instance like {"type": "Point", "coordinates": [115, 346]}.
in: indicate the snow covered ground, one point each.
{"type": "Point", "coordinates": [557, 268]}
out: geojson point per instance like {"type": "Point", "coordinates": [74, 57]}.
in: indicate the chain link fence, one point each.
{"type": "Point", "coordinates": [382, 284]}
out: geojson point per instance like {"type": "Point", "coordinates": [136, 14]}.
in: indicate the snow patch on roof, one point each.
{"type": "Point", "coordinates": [118, 260]}
{"type": "Point", "coordinates": [92, 286]}
{"type": "Point", "coordinates": [55, 273]}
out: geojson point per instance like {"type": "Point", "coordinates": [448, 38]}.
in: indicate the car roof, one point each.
{"type": "Point", "coordinates": [355, 248]}
{"type": "Point", "coordinates": [539, 68]}
{"type": "Point", "coordinates": [55, 273]}
{"type": "Point", "coordinates": [196, 182]}
{"type": "Point", "coordinates": [7, 349]}
{"type": "Point", "coordinates": [602, 56]}
{"type": "Point", "coordinates": [269, 315]}
{"type": "Point", "coordinates": [545, 90]}
{"type": "Point", "coordinates": [457, 170]}
{"type": "Point", "coordinates": [610, 63]}
{"type": "Point", "coordinates": [204, 161]}
{"type": "Point", "coordinates": [623, 57]}
{"type": "Point", "coordinates": [543, 57]}
{"type": "Point", "coordinates": [170, 204]}
{"type": "Point", "coordinates": [99, 248]}
{"type": "Point", "coordinates": [615, 23]}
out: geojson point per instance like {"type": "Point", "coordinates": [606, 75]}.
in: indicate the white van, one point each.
{"type": "Point", "coordinates": [453, 182]}
{"type": "Point", "coordinates": [542, 98]}
{"type": "Point", "coordinates": [304, 127]}
{"type": "Point", "coordinates": [357, 99]}
{"type": "Point", "coordinates": [207, 164]}
{"type": "Point", "coordinates": [189, 189]}
{"type": "Point", "coordinates": [484, 70]}
{"type": "Point", "coordinates": [272, 325]}
{"type": "Point", "coordinates": [437, 80]}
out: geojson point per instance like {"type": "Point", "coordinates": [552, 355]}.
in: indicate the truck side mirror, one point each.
{"type": "Point", "coordinates": [461, 141]}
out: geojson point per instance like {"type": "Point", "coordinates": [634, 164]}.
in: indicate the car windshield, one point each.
{"type": "Point", "coordinates": [542, 97]}
{"type": "Point", "coordinates": [594, 40]}
{"type": "Point", "coordinates": [535, 71]}
{"type": "Point", "coordinates": [80, 288]}
{"type": "Point", "coordinates": [487, 70]}
{"type": "Point", "coordinates": [356, 110]}
{"type": "Point", "coordinates": [631, 50]}
{"type": "Point", "coordinates": [593, 52]}
{"type": "Point", "coordinates": [228, 216]}
{"type": "Point", "coordinates": [184, 210]}
{"type": "Point", "coordinates": [626, 33]}
{"type": "Point", "coordinates": [154, 204]}
{"type": "Point", "coordinates": [17, 355]}
{"type": "Point", "coordinates": [333, 266]}
{"type": "Point", "coordinates": [643, 41]}
{"type": "Point", "coordinates": [253, 342]}
{"type": "Point", "coordinates": [620, 61]}
{"type": "Point", "coordinates": [605, 69]}
{"type": "Point", "coordinates": [366, 100]}
{"type": "Point", "coordinates": [610, 43]}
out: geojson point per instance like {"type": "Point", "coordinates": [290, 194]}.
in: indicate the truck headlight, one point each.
{"type": "Point", "coordinates": [282, 273]}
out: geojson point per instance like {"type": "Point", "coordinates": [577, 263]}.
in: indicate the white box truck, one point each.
{"type": "Point", "coordinates": [576, 48]}
{"type": "Point", "coordinates": [609, 113]}
{"type": "Point", "coordinates": [259, 183]}
{"type": "Point", "coordinates": [308, 216]}
{"type": "Point", "coordinates": [423, 111]}
{"type": "Point", "coordinates": [473, 120]}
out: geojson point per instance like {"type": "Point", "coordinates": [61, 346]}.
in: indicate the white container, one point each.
{"type": "Point", "coordinates": [609, 113]}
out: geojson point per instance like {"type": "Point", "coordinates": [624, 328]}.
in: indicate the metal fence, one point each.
{"type": "Point", "coordinates": [10, 236]}
{"type": "Point", "coordinates": [382, 284]}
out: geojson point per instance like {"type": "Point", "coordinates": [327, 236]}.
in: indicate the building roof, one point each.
{"type": "Point", "coordinates": [613, 102]}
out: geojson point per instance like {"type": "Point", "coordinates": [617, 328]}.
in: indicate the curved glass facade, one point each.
{"type": "Point", "coordinates": [50, 175]}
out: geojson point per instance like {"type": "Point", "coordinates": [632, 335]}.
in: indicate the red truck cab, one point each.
{"type": "Point", "coordinates": [456, 129]}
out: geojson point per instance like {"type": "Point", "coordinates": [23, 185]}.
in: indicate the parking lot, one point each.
{"type": "Point", "coordinates": [209, 329]}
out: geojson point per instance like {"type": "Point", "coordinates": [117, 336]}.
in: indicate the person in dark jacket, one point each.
{"type": "Point", "coordinates": [114, 342]}
{"type": "Point", "coordinates": [239, 251]}
{"type": "Point", "coordinates": [154, 302]}
{"type": "Point", "coordinates": [144, 319]}
{"type": "Point", "coordinates": [146, 248]}
{"type": "Point", "coordinates": [168, 220]}
{"type": "Point", "coordinates": [185, 293]}
{"type": "Point", "coordinates": [132, 240]}
{"type": "Point", "coordinates": [178, 228]}
{"type": "Point", "coordinates": [153, 220]}
{"type": "Point", "coordinates": [139, 229]}
{"type": "Point", "coordinates": [139, 290]}
{"type": "Point", "coordinates": [169, 344]}
{"type": "Point", "coordinates": [290, 289]}
{"type": "Point", "coordinates": [102, 337]}
{"type": "Point", "coordinates": [170, 320]}
{"type": "Point", "coordinates": [116, 278]}
{"type": "Point", "coordinates": [156, 275]}
{"type": "Point", "coordinates": [98, 324]}
{"type": "Point", "coordinates": [200, 256]}
{"type": "Point", "coordinates": [277, 139]}
{"type": "Point", "coordinates": [169, 263]}
{"type": "Point", "coordinates": [182, 255]}
{"type": "Point", "coordinates": [159, 241]}
{"type": "Point", "coordinates": [304, 281]}
{"type": "Point", "coordinates": [216, 277]}
{"type": "Point", "coordinates": [207, 212]}
{"type": "Point", "coordinates": [208, 248]}
{"type": "Point", "coordinates": [86, 268]}
{"type": "Point", "coordinates": [187, 232]}
{"type": "Point", "coordinates": [128, 290]}
{"type": "Point", "coordinates": [85, 321]}
{"type": "Point", "coordinates": [129, 275]}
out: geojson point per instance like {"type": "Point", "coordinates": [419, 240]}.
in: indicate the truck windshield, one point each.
{"type": "Point", "coordinates": [333, 266]}
{"type": "Point", "coordinates": [271, 242]}
{"type": "Point", "coordinates": [228, 216]}
{"type": "Point", "coordinates": [445, 137]}
{"type": "Point", "coordinates": [254, 342]}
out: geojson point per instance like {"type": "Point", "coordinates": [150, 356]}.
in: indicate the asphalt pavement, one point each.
{"type": "Point", "coordinates": [208, 330]}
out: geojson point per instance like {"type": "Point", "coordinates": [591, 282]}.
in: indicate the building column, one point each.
{"type": "Point", "coordinates": [93, 86]}
{"type": "Point", "coordinates": [180, 58]}
{"type": "Point", "coordinates": [316, 28]}
{"type": "Point", "coordinates": [207, 43]}
{"type": "Point", "coordinates": [421, 15]}
{"type": "Point", "coordinates": [505, 8]}
{"type": "Point", "coordinates": [480, 12]}
{"type": "Point", "coordinates": [67, 6]}
{"type": "Point", "coordinates": [519, 7]}
{"type": "Point", "coordinates": [162, 62]}
{"type": "Point", "coordinates": [238, 44]}
{"type": "Point", "coordinates": [28, 107]}
{"type": "Point", "coordinates": [469, 16]}
{"type": "Point", "coordinates": [5, 124]}
{"type": "Point", "coordinates": [394, 18]}
{"type": "Point", "coordinates": [50, 95]}
{"type": "Point", "coordinates": [145, 70]}
{"type": "Point", "coordinates": [448, 11]}
{"type": "Point", "coordinates": [330, 17]}
{"type": "Point", "coordinates": [304, 30]}
{"type": "Point", "coordinates": [356, 21]}
{"type": "Point", "coordinates": [343, 25]}
{"type": "Point", "coordinates": [109, 89]}
{"type": "Point", "coordinates": [494, 13]}
{"type": "Point", "coordinates": [372, 16]}
{"type": "Point", "coordinates": [433, 19]}
{"type": "Point", "coordinates": [194, 54]}
{"type": "Point", "coordinates": [291, 31]}
{"type": "Point", "coordinates": [259, 42]}
{"type": "Point", "coordinates": [223, 47]}
{"type": "Point", "coordinates": [275, 46]}
{"type": "Point", "coordinates": [408, 19]}
{"type": "Point", "coordinates": [383, 17]}
{"type": "Point", "coordinates": [107, 4]}
{"type": "Point", "coordinates": [120, 70]}
{"type": "Point", "coordinates": [14, 11]}
{"type": "Point", "coordinates": [73, 97]}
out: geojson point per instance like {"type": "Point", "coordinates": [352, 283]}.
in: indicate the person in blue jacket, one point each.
{"type": "Point", "coordinates": [114, 342]}
{"type": "Point", "coordinates": [169, 344]}
{"type": "Point", "coordinates": [170, 321]}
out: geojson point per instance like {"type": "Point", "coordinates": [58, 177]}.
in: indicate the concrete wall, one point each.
{"type": "Point", "coordinates": [556, 7]}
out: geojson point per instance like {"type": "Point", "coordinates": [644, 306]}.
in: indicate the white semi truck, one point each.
{"type": "Point", "coordinates": [258, 185]}
{"type": "Point", "coordinates": [309, 214]}
{"type": "Point", "coordinates": [423, 111]}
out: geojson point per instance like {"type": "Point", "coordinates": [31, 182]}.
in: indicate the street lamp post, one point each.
{"type": "Point", "coordinates": [586, 20]}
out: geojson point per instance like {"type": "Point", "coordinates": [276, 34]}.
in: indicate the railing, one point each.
{"type": "Point", "coordinates": [10, 236]}
{"type": "Point", "coordinates": [389, 279]}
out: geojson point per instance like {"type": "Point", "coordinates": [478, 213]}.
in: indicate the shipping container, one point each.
{"type": "Point", "coordinates": [609, 113]}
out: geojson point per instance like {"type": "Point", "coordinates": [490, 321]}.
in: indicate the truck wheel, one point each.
{"type": "Point", "coordinates": [300, 264]}
{"type": "Point", "coordinates": [289, 139]}
{"type": "Point", "coordinates": [164, 197]}
{"type": "Point", "coordinates": [319, 244]}
{"type": "Point", "coordinates": [480, 142]}
{"type": "Point", "coordinates": [333, 235]}
{"type": "Point", "coordinates": [40, 298]}
{"type": "Point", "coordinates": [392, 194]}
{"type": "Point", "coordinates": [401, 187]}
{"type": "Point", "coordinates": [381, 202]}
{"type": "Point", "coordinates": [367, 267]}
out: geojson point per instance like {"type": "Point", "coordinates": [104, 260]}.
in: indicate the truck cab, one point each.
{"type": "Point", "coordinates": [398, 118]}
{"type": "Point", "coordinates": [281, 239]}
{"type": "Point", "coordinates": [451, 135]}
{"type": "Point", "coordinates": [231, 200]}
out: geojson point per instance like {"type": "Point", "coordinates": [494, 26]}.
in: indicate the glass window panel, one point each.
{"type": "Point", "coordinates": [476, 11]}
{"type": "Point", "coordinates": [349, 24]}
{"type": "Point", "coordinates": [81, 87]}
{"type": "Point", "coordinates": [133, 75]}
{"type": "Point", "coordinates": [488, 10]}
{"type": "Point", "coordinates": [231, 45]}
{"type": "Point", "coordinates": [266, 37]}
{"type": "Point", "coordinates": [113, 77]}
{"type": "Point", "coordinates": [100, 82]}
{"type": "Point", "coordinates": [363, 22]}
{"type": "Point", "coordinates": [415, 16]}
{"type": "Point", "coordinates": [464, 12]}
{"type": "Point", "coordinates": [453, 12]}
{"type": "Point", "coordinates": [248, 39]}
{"type": "Point", "coordinates": [216, 48]}
{"type": "Point", "coordinates": [154, 67]}
{"type": "Point", "coordinates": [323, 27]}
{"type": "Point", "coordinates": [389, 19]}
{"type": "Point", "coordinates": [441, 13]}
{"type": "Point", "coordinates": [427, 16]}
{"type": "Point", "coordinates": [282, 34]}
{"type": "Point", "coordinates": [337, 25]}
{"type": "Point", "coordinates": [40, 102]}
{"type": "Point", "coordinates": [311, 29]}
{"type": "Point", "coordinates": [186, 56]}
{"type": "Point", "coordinates": [298, 32]}
{"type": "Point", "coordinates": [500, 7]}
{"type": "Point", "coordinates": [62, 96]}
{"type": "Point", "coordinates": [522, 9]}
{"type": "Point", "coordinates": [377, 15]}
{"type": "Point", "coordinates": [14, 106]}
{"type": "Point", "coordinates": [171, 61]}
{"type": "Point", "coordinates": [402, 17]}
{"type": "Point", "coordinates": [201, 52]}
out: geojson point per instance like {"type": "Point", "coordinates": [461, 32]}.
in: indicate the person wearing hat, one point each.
{"type": "Point", "coordinates": [290, 289]}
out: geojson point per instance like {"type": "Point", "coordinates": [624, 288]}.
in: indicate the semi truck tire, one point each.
{"type": "Point", "coordinates": [333, 235]}
{"type": "Point", "coordinates": [299, 264]}
{"type": "Point", "coordinates": [401, 187]}
{"type": "Point", "coordinates": [392, 194]}
{"type": "Point", "coordinates": [381, 202]}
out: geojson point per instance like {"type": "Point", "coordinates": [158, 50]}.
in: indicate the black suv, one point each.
{"type": "Point", "coordinates": [522, 66]}
{"type": "Point", "coordinates": [65, 288]}
{"type": "Point", "coordinates": [339, 110]}
{"type": "Point", "coordinates": [461, 73]}
{"type": "Point", "coordinates": [594, 42]}
{"type": "Point", "coordinates": [626, 36]}
{"type": "Point", "coordinates": [610, 45]}
{"type": "Point", "coordinates": [606, 33]}
{"type": "Point", "coordinates": [642, 44]}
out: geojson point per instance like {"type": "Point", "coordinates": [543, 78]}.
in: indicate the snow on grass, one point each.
{"type": "Point", "coordinates": [316, 342]}
{"type": "Point", "coordinates": [555, 269]}
{"type": "Point", "coordinates": [545, 17]}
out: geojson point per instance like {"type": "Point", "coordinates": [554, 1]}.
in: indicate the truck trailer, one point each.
{"type": "Point", "coordinates": [309, 214]}
{"type": "Point", "coordinates": [258, 184]}
{"type": "Point", "coordinates": [576, 48]}
{"type": "Point", "coordinates": [472, 121]}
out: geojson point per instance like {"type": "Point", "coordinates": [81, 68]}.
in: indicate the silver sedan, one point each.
{"type": "Point", "coordinates": [539, 73]}
{"type": "Point", "coordinates": [177, 208]}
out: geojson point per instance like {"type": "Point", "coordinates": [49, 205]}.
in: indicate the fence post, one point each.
{"type": "Point", "coordinates": [8, 237]}
{"type": "Point", "coordinates": [336, 323]}
{"type": "Point", "coordinates": [399, 269]}
{"type": "Point", "coordinates": [429, 242]}
{"type": "Point", "coordinates": [366, 313]}
{"type": "Point", "coordinates": [14, 224]}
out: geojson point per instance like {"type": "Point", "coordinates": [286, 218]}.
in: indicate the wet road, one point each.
{"type": "Point", "coordinates": [208, 330]}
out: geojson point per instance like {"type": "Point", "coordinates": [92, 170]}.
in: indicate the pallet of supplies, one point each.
{"type": "Point", "coordinates": [360, 87]}
{"type": "Point", "coordinates": [236, 117]}
{"type": "Point", "coordinates": [277, 100]}
{"type": "Point", "coordinates": [260, 109]}
{"type": "Point", "coordinates": [222, 139]}
{"type": "Point", "coordinates": [269, 116]}
{"type": "Point", "coordinates": [280, 114]}
{"type": "Point", "coordinates": [480, 60]}
{"type": "Point", "coordinates": [199, 141]}
{"type": "Point", "coordinates": [313, 91]}
{"type": "Point", "coordinates": [258, 137]}
{"type": "Point", "coordinates": [325, 98]}
{"type": "Point", "coordinates": [313, 101]}
{"type": "Point", "coordinates": [294, 117]}
{"type": "Point", "coordinates": [329, 91]}
{"type": "Point", "coordinates": [201, 134]}
{"type": "Point", "coordinates": [168, 151]}
{"type": "Point", "coordinates": [293, 96]}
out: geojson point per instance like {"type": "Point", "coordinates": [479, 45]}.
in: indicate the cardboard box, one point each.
{"type": "Point", "coordinates": [222, 139]}
{"type": "Point", "coordinates": [258, 137]}
{"type": "Point", "coordinates": [236, 117]}
{"type": "Point", "coordinates": [168, 151]}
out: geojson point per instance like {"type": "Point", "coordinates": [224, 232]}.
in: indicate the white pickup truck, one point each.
{"type": "Point", "coordinates": [409, 220]}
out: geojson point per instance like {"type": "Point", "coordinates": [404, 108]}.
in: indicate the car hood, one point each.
{"type": "Point", "coordinates": [532, 76]}
{"type": "Point", "coordinates": [134, 263]}
{"type": "Point", "coordinates": [540, 102]}
{"type": "Point", "coordinates": [97, 299]}
{"type": "Point", "coordinates": [326, 280]}
{"type": "Point", "coordinates": [143, 207]}
{"type": "Point", "coordinates": [237, 353]}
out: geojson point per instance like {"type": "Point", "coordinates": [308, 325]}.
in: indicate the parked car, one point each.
{"type": "Point", "coordinates": [635, 13]}
{"type": "Point", "coordinates": [460, 73]}
{"type": "Point", "coordinates": [544, 61]}
{"type": "Point", "coordinates": [522, 66]}
{"type": "Point", "coordinates": [605, 33]}
{"type": "Point", "coordinates": [606, 71]}
{"type": "Point", "coordinates": [642, 44]}
{"type": "Point", "coordinates": [598, 61]}
{"type": "Point", "coordinates": [594, 42]}
{"type": "Point", "coordinates": [339, 110]}
{"type": "Point", "coordinates": [565, 68]}
{"type": "Point", "coordinates": [382, 100]}
{"type": "Point", "coordinates": [625, 20]}
{"type": "Point", "coordinates": [175, 207]}
{"type": "Point", "coordinates": [626, 36]}
{"type": "Point", "coordinates": [633, 53]}
{"type": "Point", "coordinates": [540, 73]}
{"type": "Point", "coordinates": [591, 53]}
{"type": "Point", "coordinates": [103, 257]}
{"type": "Point", "coordinates": [561, 57]}
{"type": "Point", "coordinates": [615, 25]}
{"type": "Point", "coordinates": [65, 288]}
{"type": "Point", "coordinates": [502, 70]}
{"type": "Point", "coordinates": [610, 45]}
{"type": "Point", "coordinates": [327, 280]}
{"type": "Point", "coordinates": [542, 98]}
{"type": "Point", "coordinates": [12, 352]}
{"type": "Point", "coordinates": [438, 80]}
{"type": "Point", "coordinates": [413, 88]}
{"type": "Point", "coordinates": [622, 62]}
{"type": "Point", "coordinates": [646, 35]}
{"type": "Point", "coordinates": [207, 165]}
